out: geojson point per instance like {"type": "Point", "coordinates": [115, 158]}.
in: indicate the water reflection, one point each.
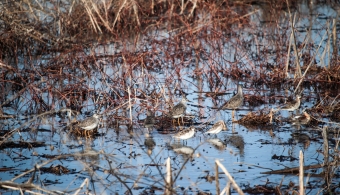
{"type": "Point", "coordinates": [217, 143]}
{"type": "Point", "coordinates": [301, 138]}
{"type": "Point", "coordinates": [236, 141]}
{"type": "Point", "coordinates": [149, 143]}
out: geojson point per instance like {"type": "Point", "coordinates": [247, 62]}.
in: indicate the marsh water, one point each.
{"type": "Point", "coordinates": [123, 156]}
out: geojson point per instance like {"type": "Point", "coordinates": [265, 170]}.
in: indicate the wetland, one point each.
{"type": "Point", "coordinates": [131, 62]}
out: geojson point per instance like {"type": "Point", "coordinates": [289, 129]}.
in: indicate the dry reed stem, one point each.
{"type": "Point", "coordinates": [35, 117]}
{"type": "Point", "coordinates": [226, 189]}
{"type": "Point", "coordinates": [297, 61]}
{"type": "Point", "coordinates": [328, 47]}
{"type": "Point", "coordinates": [217, 180]}
{"type": "Point", "coordinates": [310, 64]}
{"type": "Point", "coordinates": [231, 179]}
{"type": "Point", "coordinates": [168, 185]}
{"type": "Point", "coordinates": [301, 174]}
{"type": "Point", "coordinates": [25, 186]}
{"type": "Point", "coordinates": [85, 182]}
{"type": "Point", "coordinates": [91, 16]}
{"type": "Point", "coordinates": [325, 145]}
{"type": "Point", "coordinates": [334, 42]}
{"type": "Point", "coordinates": [118, 13]}
{"type": "Point", "coordinates": [288, 55]}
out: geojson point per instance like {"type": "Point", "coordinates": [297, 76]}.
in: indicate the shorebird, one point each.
{"type": "Point", "coordinates": [217, 127]}
{"type": "Point", "coordinates": [302, 119]}
{"type": "Point", "coordinates": [149, 121]}
{"type": "Point", "coordinates": [292, 105]}
{"type": "Point", "coordinates": [89, 123]}
{"type": "Point", "coordinates": [234, 102]}
{"type": "Point", "coordinates": [179, 109]}
{"type": "Point", "coordinates": [186, 133]}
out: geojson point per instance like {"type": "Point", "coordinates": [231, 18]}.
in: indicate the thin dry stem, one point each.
{"type": "Point", "coordinates": [301, 174]}
{"type": "Point", "coordinates": [231, 179]}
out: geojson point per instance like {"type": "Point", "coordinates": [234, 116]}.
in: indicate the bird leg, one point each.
{"type": "Point", "coordinates": [179, 124]}
{"type": "Point", "coordinates": [232, 115]}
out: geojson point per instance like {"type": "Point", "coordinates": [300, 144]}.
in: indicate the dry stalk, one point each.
{"type": "Point", "coordinates": [231, 179]}
{"type": "Point", "coordinates": [226, 189]}
{"type": "Point", "coordinates": [85, 182]}
{"type": "Point", "coordinates": [310, 64]}
{"type": "Point", "coordinates": [301, 174]}
{"type": "Point", "coordinates": [135, 9]}
{"type": "Point", "coordinates": [118, 13]}
{"type": "Point", "coordinates": [168, 188]}
{"type": "Point", "coordinates": [297, 61]}
{"type": "Point", "coordinates": [288, 55]}
{"type": "Point", "coordinates": [216, 179]}
{"type": "Point", "coordinates": [334, 42]}
{"type": "Point", "coordinates": [91, 15]}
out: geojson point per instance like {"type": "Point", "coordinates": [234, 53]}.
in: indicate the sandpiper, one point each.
{"type": "Point", "coordinates": [217, 127]}
{"type": "Point", "coordinates": [186, 133]}
{"type": "Point", "coordinates": [149, 120]}
{"type": "Point", "coordinates": [179, 109]}
{"type": "Point", "coordinates": [292, 105]}
{"type": "Point", "coordinates": [235, 101]}
{"type": "Point", "coordinates": [302, 119]}
{"type": "Point", "coordinates": [89, 123]}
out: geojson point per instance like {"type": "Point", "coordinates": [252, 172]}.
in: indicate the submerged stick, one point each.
{"type": "Point", "coordinates": [302, 189]}
{"type": "Point", "coordinates": [327, 169]}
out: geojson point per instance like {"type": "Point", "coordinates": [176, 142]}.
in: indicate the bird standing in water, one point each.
{"type": "Point", "coordinates": [292, 105]}
{"type": "Point", "coordinates": [234, 102]}
{"type": "Point", "coordinates": [89, 123]}
{"type": "Point", "coordinates": [179, 109]}
{"type": "Point", "coordinates": [217, 127]}
{"type": "Point", "coordinates": [186, 133]}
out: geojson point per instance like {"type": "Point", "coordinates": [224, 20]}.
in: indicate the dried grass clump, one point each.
{"type": "Point", "coordinates": [276, 76]}
{"type": "Point", "coordinates": [336, 113]}
{"type": "Point", "coordinates": [329, 75]}
{"type": "Point", "coordinates": [57, 170]}
{"type": "Point", "coordinates": [256, 119]}
{"type": "Point", "coordinates": [255, 100]}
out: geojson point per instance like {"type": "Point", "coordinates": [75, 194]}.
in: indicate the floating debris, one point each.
{"type": "Point", "coordinates": [57, 170]}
